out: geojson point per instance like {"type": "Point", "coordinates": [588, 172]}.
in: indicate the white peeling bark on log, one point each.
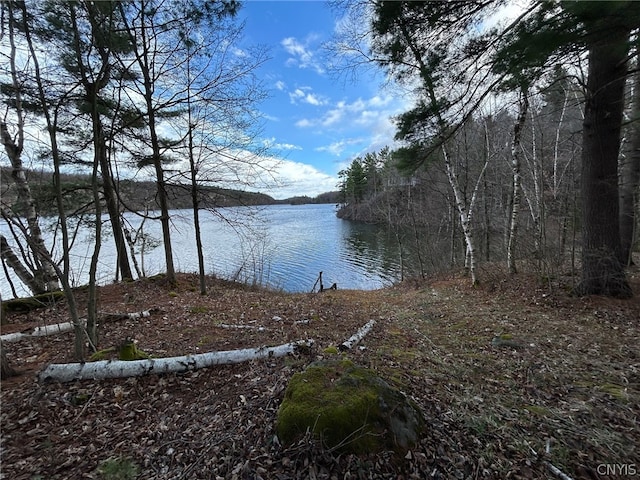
{"type": "Point", "coordinates": [127, 316]}
{"type": "Point", "coordinates": [42, 331]}
{"type": "Point", "coordinates": [67, 372]}
{"type": "Point", "coordinates": [246, 327]}
{"type": "Point", "coordinates": [56, 328]}
{"type": "Point", "coordinates": [359, 335]}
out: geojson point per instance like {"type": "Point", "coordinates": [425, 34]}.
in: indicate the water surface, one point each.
{"type": "Point", "coordinates": [283, 246]}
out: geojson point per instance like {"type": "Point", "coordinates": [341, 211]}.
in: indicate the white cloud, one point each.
{"type": "Point", "coordinates": [301, 55]}
{"type": "Point", "coordinates": [304, 123]}
{"type": "Point", "coordinates": [336, 148]}
{"type": "Point", "coordinates": [239, 52]}
{"type": "Point", "coordinates": [364, 113]}
{"type": "Point", "coordinates": [302, 94]}
{"type": "Point", "coordinates": [271, 143]}
{"type": "Point", "coordinates": [280, 85]}
{"type": "Point", "coordinates": [297, 178]}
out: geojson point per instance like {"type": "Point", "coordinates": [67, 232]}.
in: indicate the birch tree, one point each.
{"type": "Point", "coordinates": [516, 154]}
{"type": "Point", "coordinates": [41, 277]}
{"type": "Point", "coordinates": [419, 41]}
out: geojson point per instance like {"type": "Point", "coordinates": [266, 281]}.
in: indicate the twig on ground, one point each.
{"type": "Point", "coordinates": [552, 468]}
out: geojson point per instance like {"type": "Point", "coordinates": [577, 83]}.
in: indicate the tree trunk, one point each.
{"type": "Point", "coordinates": [8, 256]}
{"type": "Point", "coordinates": [356, 337]}
{"type": "Point", "coordinates": [195, 202]}
{"type": "Point", "coordinates": [602, 271]}
{"type": "Point", "coordinates": [5, 369]}
{"type": "Point", "coordinates": [92, 301]}
{"type": "Point", "coordinates": [465, 213]}
{"type": "Point", "coordinates": [67, 372]}
{"type": "Point", "coordinates": [516, 153]}
{"type": "Point", "coordinates": [44, 278]}
{"type": "Point", "coordinates": [44, 275]}
{"type": "Point", "coordinates": [630, 175]}
{"type": "Point", "coordinates": [52, 123]}
{"type": "Point", "coordinates": [111, 200]}
{"type": "Point", "coordinates": [146, 62]}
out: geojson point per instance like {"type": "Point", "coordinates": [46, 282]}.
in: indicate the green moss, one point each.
{"type": "Point", "coordinates": [199, 309]}
{"type": "Point", "coordinates": [616, 391]}
{"type": "Point", "coordinates": [348, 408]}
{"type": "Point", "coordinates": [331, 350]}
{"type": "Point", "coordinates": [118, 469]}
{"type": "Point", "coordinates": [172, 294]}
{"type": "Point", "coordinates": [80, 399]}
{"type": "Point", "coordinates": [129, 351]}
{"type": "Point", "coordinates": [102, 354]}
{"type": "Point", "coordinates": [27, 304]}
{"type": "Point", "coordinates": [537, 410]}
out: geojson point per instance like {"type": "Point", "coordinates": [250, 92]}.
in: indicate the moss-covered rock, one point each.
{"type": "Point", "coordinates": [349, 408]}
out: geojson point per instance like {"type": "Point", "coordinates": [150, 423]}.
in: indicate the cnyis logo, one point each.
{"type": "Point", "coordinates": [618, 469]}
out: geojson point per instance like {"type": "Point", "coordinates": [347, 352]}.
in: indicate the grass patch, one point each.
{"type": "Point", "coordinates": [120, 468]}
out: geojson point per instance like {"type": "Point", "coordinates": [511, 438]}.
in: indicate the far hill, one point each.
{"type": "Point", "coordinates": [140, 195]}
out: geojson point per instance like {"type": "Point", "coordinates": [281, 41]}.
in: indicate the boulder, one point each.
{"type": "Point", "coordinates": [349, 408]}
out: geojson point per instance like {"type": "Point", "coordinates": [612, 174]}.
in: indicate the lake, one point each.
{"type": "Point", "coordinates": [282, 246]}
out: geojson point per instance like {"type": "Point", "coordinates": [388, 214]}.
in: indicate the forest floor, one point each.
{"type": "Point", "coordinates": [569, 395]}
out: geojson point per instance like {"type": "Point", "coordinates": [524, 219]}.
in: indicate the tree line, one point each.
{"type": "Point", "coordinates": [138, 195]}
{"type": "Point", "coordinates": [524, 137]}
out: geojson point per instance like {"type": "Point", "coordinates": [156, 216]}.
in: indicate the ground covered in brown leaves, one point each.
{"type": "Point", "coordinates": [567, 393]}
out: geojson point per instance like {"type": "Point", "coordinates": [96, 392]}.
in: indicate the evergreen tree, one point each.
{"type": "Point", "coordinates": [603, 30]}
{"type": "Point", "coordinates": [432, 42]}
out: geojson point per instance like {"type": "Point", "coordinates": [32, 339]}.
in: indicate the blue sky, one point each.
{"type": "Point", "coordinates": [315, 121]}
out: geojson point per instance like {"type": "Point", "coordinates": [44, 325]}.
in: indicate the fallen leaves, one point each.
{"type": "Point", "coordinates": [486, 408]}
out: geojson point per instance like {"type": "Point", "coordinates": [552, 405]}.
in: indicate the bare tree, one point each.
{"type": "Point", "coordinates": [42, 277]}
{"type": "Point", "coordinates": [516, 154]}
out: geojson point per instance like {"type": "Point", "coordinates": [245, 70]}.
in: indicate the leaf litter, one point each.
{"type": "Point", "coordinates": [570, 397]}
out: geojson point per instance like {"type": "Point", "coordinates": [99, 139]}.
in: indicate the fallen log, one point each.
{"type": "Point", "coordinates": [28, 304]}
{"type": "Point", "coordinates": [67, 372]}
{"type": "Point", "coordinates": [243, 327]}
{"type": "Point", "coordinates": [42, 331]}
{"type": "Point", "coordinates": [356, 337]}
{"type": "Point", "coordinates": [128, 316]}
{"type": "Point", "coordinates": [68, 326]}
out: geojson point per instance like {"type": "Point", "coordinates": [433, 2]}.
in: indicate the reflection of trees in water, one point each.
{"type": "Point", "coordinates": [395, 253]}
{"type": "Point", "coordinates": [286, 249]}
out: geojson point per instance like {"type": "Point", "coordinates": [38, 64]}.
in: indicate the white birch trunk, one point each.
{"type": "Point", "coordinates": [466, 214]}
{"type": "Point", "coordinates": [356, 337]}
{"type": "Point", "coordinates": [45, 274]}
{"type": "Point", "coordinates": [64, 327]}
{"type": "Point", "coordinates": [42, 331]}
{"type": "Point", "coordinates": [8, 255]}
{"type": "Point", "coordinates": [127, 316]}
{"type": "Point", "coordinates": [259, 328]}
{"type": "Point", "coordinates": [516, 154]}
{"type": "Point", "coordinates": [67, 372]}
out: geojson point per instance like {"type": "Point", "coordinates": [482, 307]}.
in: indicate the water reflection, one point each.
{"type": "Point", "coordinates": [283, 246]}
